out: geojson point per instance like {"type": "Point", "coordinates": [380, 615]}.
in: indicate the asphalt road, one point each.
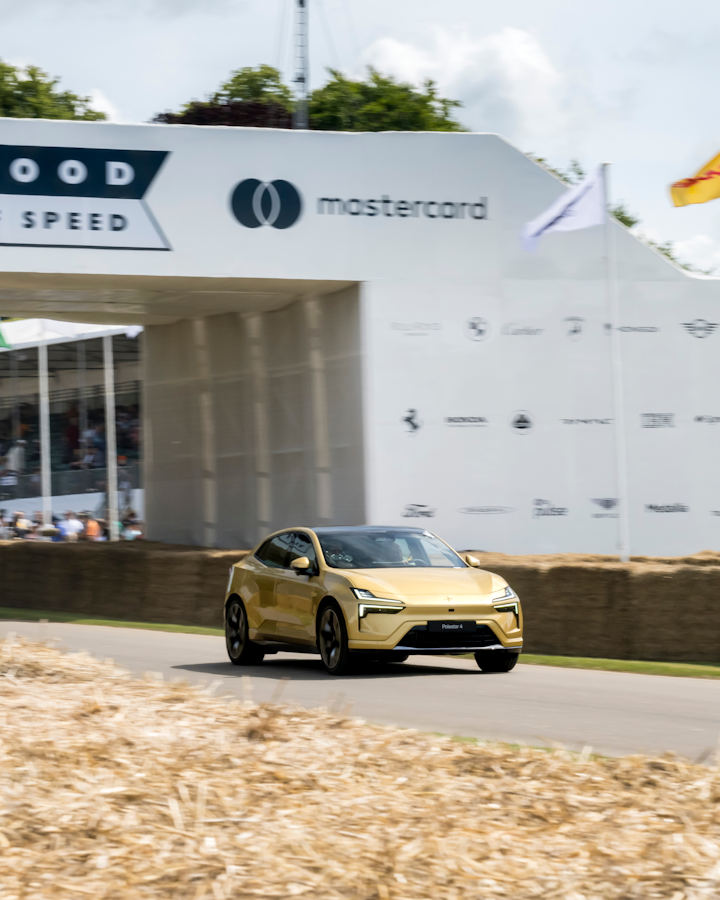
{"type": "Point", "coordinates": [612, 712]}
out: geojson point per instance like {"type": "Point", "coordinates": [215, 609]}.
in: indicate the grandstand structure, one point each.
{"type": "Point", "coordinates": [344, 328]}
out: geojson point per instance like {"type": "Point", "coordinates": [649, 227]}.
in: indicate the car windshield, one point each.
{"type": "Point", "coordinates": [387, 549]}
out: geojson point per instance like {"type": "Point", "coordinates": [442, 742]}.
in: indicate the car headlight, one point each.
{"type": "Point", "coordinates": [501, 604]}
{"type": "Point", "coordinates": [375, 604]}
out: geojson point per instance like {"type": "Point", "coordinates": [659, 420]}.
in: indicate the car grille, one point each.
{"type": "Point", "coordinates": [420, 637]}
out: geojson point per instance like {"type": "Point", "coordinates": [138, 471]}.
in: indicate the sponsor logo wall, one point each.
{"type": "Point", "coordinates": [531, 468]}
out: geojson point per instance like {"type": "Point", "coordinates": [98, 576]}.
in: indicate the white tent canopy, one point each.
{"type": "Point", "coordinates": [37, 332]}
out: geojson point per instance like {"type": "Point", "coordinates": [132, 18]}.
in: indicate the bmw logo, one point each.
{"type": "Point", "coordinates": [255, 203]}
{"type": "Point", "coordinates": [477, 329]}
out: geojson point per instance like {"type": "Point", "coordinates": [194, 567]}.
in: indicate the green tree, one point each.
{"type": "Point", "coordinates": [251, 97]}
{"type": "Point", "coordinates": [621, 213]}
{"type": "Point", "coordinates": [380, 103]}
{"type": "Point", "coordinates": [259, 97]}
{"type": "Point", "coordinates": [31, 94]}
{"type": "Point", "coordinates": [262, 84]}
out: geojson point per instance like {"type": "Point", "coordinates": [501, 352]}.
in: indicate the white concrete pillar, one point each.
{"type": "Point", "coordinates": [45, 460]}
{"type": "Point", "coordinates": [321, 428]}
{"type": "Point", "coordinates": [82, 394]}
{"type": "Point", "coordinates": [208, 463]}
{"type": "Point", "coordinates": [261, 432]}
{"type": "Point", "coordinates": [16, 433]}
{"type": "Point", "coordinates": [110, 438]}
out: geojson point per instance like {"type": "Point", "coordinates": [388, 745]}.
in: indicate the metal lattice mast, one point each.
{"type": "Point", "coordinates": [302, 65]}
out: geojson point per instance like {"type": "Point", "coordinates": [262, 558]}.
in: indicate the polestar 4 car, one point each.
{"type": "Point", "coordinates": [350, 593]}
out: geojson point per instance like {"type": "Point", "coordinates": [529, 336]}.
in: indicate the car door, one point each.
{"type": "Point", "coordinates": [298, 593]}
{"type": "Point", "coordinates": [273, 555]}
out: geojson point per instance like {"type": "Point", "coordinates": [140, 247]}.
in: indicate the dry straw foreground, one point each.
{"type": "Point", "coordinates": [112, 787]}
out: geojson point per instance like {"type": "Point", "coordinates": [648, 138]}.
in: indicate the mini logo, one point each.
{"type": "Point", "coordinates": [666, 508]}
{"type": "Point", "coordinates": [411, 420]}
{"type": "Point", "coordinates": [708, 420]}
{"type": "Point", "coordinates": [486, 510]}
{"type": "Point", "coordinates": [466, 421]}
{"type": "Point", "coordinates": [606, 503]}
{"type": "Point", "coordinates": [574, 327]}
{"type": "Point", "coordinates": [700, 328]}
{"type": "Point", "coordinates": [657, 420]}
{"type": "Point", "coordinates": [545, 508]}
{"type": "Point", "coordinates": [512, 328]}
{"type": "Point", "coordinates": [418, 511]}
{"type": "Point", "coordinates": [586, 421]}
{"type": "Point", "coordinates": [628, 328]}
{"type": "Point", "coordinates": [255, 203]}
{"type": "Point", "coordinates": [477, 329]}
{"type": "Point", "coordinates": [522, 421]}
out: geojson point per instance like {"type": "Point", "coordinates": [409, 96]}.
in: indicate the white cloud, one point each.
{"type": "Point", "coordinates": [101, 103]}
{"type": "Point", "coordinates": [701, 250]}
{"type": "Point", "coordinates": [506, 82]}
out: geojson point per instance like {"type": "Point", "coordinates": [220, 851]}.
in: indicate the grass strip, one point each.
{"type": "Point", "coordinates": [640, 667]}
{"type": "Point", "coordinates": [36, 615]}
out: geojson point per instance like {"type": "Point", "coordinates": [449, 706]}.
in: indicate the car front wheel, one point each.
{"type": "Point", "coordinates": [332, 640]}
{"type": "Point", "coordinates": [496, 660]}
{"type": "Point", "coordinates": [241, 650]}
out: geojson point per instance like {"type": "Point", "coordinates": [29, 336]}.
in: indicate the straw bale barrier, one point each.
{"type": "Point", "coordinates": [113, 787]}
{"type": "Point", "coordinates": [665, 609]}
{"type": "Point", "coordinates": [140, 582]}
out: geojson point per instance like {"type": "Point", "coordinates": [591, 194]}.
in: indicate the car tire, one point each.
{"type": "Point", "coordinates": [241, 650]}
{"type": "Point", "coordinates": [332, 640]}
{"type": "Point", "coordinates": [496, 660]}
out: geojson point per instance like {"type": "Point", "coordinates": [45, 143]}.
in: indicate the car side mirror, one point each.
{"type": "Point", "coordinates": [472, 561]}
{"type": "Point", "coordinates": [301, 564]}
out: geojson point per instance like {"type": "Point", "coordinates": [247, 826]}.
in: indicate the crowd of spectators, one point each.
{"type": "Point", "coordinates": [71, 448]}
{"type": "Point", "coordinates": [72, 527]}
{"type": "Point", "coordinates": [88, 450]}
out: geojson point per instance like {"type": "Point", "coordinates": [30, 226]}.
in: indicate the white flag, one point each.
{"type": "Point", "coordinates": [579, 207]}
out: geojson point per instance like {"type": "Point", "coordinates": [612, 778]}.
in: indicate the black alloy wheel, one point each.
{"type": "Point", "coordinates": [332, 640]}
{"type": "Point", "coordinates": [241, 650]}
{"type": "Point", "coordinates": [496, 660]}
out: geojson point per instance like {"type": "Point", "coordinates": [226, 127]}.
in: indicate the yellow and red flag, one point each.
{"type": "Point", "coordinates": [703, 186]}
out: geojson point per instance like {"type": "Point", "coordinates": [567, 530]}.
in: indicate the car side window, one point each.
{"type": "Point", "coordinates": [274, 553]}
{"type": "Point", "coordinates": [303, 546]}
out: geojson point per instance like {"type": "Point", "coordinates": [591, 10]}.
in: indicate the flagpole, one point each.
{"type": "Point", "coordinates": [623, 535]}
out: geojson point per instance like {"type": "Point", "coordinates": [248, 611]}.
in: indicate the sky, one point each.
{"type": "Point", "coordinates": [629, 82]}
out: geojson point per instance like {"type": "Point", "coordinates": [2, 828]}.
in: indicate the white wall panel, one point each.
{"type": "Point", "coordinates": [545, 351]}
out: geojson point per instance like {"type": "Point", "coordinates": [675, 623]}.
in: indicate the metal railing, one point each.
{"type": "Point", "coordinates": [69, 481]}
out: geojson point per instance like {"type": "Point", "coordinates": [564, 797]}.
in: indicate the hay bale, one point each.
{"type": "Point", "coordinates": [114, 787]}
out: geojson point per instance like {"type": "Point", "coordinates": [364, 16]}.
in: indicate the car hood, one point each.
{"type": "Point", "coordinates": [426, 582]}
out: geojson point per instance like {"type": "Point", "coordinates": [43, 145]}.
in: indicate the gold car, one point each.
{"type": "Point", "coordinates": [382, 593]}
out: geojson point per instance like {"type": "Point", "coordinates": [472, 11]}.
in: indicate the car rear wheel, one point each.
{"type": "Point", "coordinates": [332, 640]}
{"type": "Point", "coordinates": [496, 660]}
{"type": "Point", "coordinates": [241, 650]}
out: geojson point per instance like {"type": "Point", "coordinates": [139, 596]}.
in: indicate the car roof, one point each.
{"type": "Point", "coordinates": [335, 529]}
